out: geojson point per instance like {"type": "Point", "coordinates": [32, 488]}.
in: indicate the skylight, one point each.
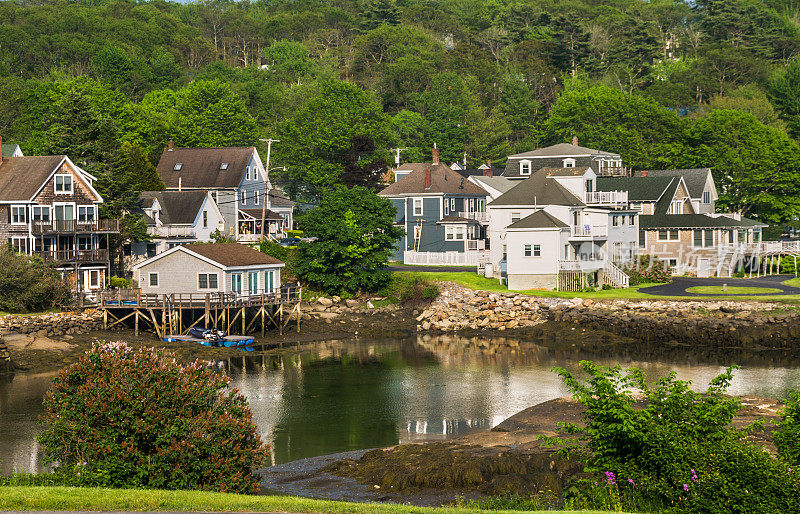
{"type": "Point", "coordinates": [223, 166]}
{"type": "Point", "coordinates": [178, 166]}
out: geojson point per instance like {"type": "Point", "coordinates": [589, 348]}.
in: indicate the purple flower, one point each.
{"type": "Point", "coordinates": [692, 471]}
{"type": "Point", "coordinates": [630, 481]}
{"type": "Point", "coordinates": [685, 487]}
{"type": "Point", "coordinates": [611, 478]}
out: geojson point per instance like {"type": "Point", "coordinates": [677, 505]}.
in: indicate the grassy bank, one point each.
{"type": "Point", "coordinates": [476, 282]}
{"type": "Point", "coordinates": [77, 498]}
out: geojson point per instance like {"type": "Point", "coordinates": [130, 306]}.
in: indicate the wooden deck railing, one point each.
{"type": "Point", "coordinates": [96, 255]}
{"type": "Point", "coordinates": [134, 298]}
{"type": "Point", "coordinates": [69, 226]}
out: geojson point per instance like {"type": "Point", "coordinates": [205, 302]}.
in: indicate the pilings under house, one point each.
{"type": "Point", "coordinates": [176, 313]}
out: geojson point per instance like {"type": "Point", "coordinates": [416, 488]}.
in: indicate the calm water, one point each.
{"type": "Point", "coordinates": [341, 396]}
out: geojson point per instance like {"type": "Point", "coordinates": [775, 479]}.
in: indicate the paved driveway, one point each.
{"type": "Point", "coordinates": [679, 285]}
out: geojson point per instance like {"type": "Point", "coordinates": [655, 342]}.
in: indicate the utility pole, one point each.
{"type": "Point", "coordinates": [397, 155]}
{"type": "Point", "coordinates": [266, 184]}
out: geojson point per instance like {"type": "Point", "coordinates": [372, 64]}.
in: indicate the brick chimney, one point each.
{"type": "Point", "coordinates": [643, 173]}
{"type": "Point", "coordinates": [428, 178]}
{"type": "Point", "coordinates": [435, 154]}
{"type": "Point", "coordinates": [575, 140]}
{"type": "Point", "coordinates": [488, 172]}
{"type": "Point", "coordinates": [170, 145]}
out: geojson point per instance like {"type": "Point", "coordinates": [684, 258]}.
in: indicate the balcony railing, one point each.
{"type": "Point", "coordinates": [606, 197]}
{"type": "Point", "coordinates": [613, 171]}
{"type": "Point", "coordinates": [96, 255]}
{"type": "Point", "coordinates": [172, 231]}
{"type": "Point", "coordinates": [70, 226]}
{"type": "Point", "coordinates": [581, 265]}
{"type": "Point", "coordinates": [476, 245]}
{"type": "Point", "coordinates": [477, 216]}
{"type": "Point", "coordinates": [589, 231]}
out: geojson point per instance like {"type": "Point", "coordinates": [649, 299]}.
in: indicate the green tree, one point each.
{"type": "Point", "coordinates": [288, 60]}
{"type": "Point", "coordinates": [356, 235]}
{"type": "Point", "coordinates": [756, 168]}
{"type": "Point", "coordinates": [645, 134]}
{"type": "Point", "coordinates": [749, 98]}
{"type": "Point", "coordinates": [317, 141]}
{"type": "Point", "coordinates": [784, 92]}
{"type": "Point", "coordinates": [28, 283]}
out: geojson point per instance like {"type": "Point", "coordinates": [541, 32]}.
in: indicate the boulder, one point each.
{"type": "Point", "coordinates": [324, 301]}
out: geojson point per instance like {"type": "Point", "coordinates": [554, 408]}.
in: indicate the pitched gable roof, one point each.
{"type": "Point", "coordinates": [178, 207]}
{"type": "Point", "coordinates": [276, 200]}
{"type": "Point", "coordinates": [561, 149]}
{"type": "Point", "coordinates": [231, 254]}
{"type": "Point", "coordinates": [443, 181]}
{"type": "Point", "coordinates": [22, 177]}
{"type": "Point", "coordinates": [539, 219]}
{"type": "Point", "coordinates": [202, 167]}
{"type": "Point", "coordinates": [498, 183]}
{"type": "Point", "coordinates": [256, 213]}
{"type": "Point", "coordinates": [640, 189]}
{"type": "Point", "coordinates": [695, 179]}
{"type": "Point", "coordinates": [538, 189]}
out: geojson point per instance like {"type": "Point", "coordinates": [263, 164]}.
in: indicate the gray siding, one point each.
{"type": "Point", "coordinates": [177, 273]}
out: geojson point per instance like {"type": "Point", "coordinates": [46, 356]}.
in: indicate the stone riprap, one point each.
{"type": "Point", "coordinates": [52, 325]}
{"type": "Point", "coordinates": [6, 366]}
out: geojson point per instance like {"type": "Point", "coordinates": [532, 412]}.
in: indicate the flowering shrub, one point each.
{"type": "Point", "coordinates": [648, 269]}
{"type": "Point", "coordinates": [676, 451]}
{"type": "Point", "coordinates": [124, 417]}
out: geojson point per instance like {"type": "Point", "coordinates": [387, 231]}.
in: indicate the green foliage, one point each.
{"type": "Point", "coordinates": [219, 237]}
{"type": "Point", "coordinates": [294, 233]}
{"type": "Point", "coordinates": [538, 501]}
{"type": "Point", "coordinates": [356, 235]}
{"type": "Point", "coordinates": [410, 289]}
{"type": "Point", "coordinates": [119, 283]}
{"type": "Point", "coordinates": [647, 269]}
{"type": "Point", "coordinates": [675, 450]}
{"type": "Point", "coordinates": [787, 435]}
{"type": "Point", "coordinates": [282, 253]}
{"type": "Point", "coordinates": [124, 417]}
{"type": "Point", "coordinates": [29, 284]}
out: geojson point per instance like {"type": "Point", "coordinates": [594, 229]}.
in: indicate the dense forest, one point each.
{"type": "Point", "coordinates": [666, 83]}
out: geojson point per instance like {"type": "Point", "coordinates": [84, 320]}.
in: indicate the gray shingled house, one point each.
{"type": "Point", "coordinates": [209, 268]}
{"type": "Point", "coordinates": [443, 214]}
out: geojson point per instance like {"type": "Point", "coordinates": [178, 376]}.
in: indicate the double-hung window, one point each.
{"type": "Point", "coordinates": [703, 238]}
{"type": "Point", "coordinates": [246, 173]}
{"type": "Point", "coordinates": [446, 206]}
{"type": "Point", "coordinates": [668, 235]}
{"type": "Point", "coordinates": [63, 184]}
{"type": "Point", "coordinates": [252, 282]}
{"type": "Point", "coordinates": [236, 283]}
{"type": "Point", "coordinates": [269, 281]}
{"type": "Point", "coordinates": [533, 250]}
{"type": "Point", "coordinates": [153, 279]}
{"type": "Point", "coordinates": [18, 215]}
{"type": "Point", "coordinates": [19, 244]}
{"type": "Point", "coordinates": [417, 206]}
{"type": "Point", "coordinates": [86, 213]}
{"type": "Point", "coordinates": [525, 167]}
{"type": "Point", "coordinates": [207, 281]}
{"type": "Point", "coordinates": [205, 219]}
{"type": "Point", "coordinates": [40, 213]}
{"type": "Point", "coordinates": [243, 197]}
{"type": "Point", "coordinates": [454, 233]}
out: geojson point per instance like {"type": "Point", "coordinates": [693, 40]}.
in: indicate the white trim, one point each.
{"type": "Point", "coordinates": [421, 207]}
{"type": "Point", "coordinates": [150, 282]}
{"type": "Point", "coordinates": [529, 165]}
{"type": "Point", "coordinates": [202, 258]}
{"type": "Point", "coordinates": [74, 167]}
{"type": "Point", "coordinates": [197, 282]}
{"type": "Point", "coordinates": [24, 213]}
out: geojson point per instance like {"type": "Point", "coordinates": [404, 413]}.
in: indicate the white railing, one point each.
{"type": "Point", "coordinates": [589, 230]}
{"type": "Point", "coordinates": [581, 265]}
{"type": "Point", "coordinates": [171, 231]}
{"type": "Point", "coordinates": [477, 216]}
{"type": "Point", "coordinates": [606, 197]}
{"type": "Point", "coordinates": [617, 277]}
{"type": "Point", "coordinates": [443, 258]}
{"type": "Point", "coordinates": [476, 244]}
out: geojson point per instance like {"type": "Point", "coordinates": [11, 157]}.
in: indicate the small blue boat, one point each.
{"type": "Point", "coordinates": [212, 338]}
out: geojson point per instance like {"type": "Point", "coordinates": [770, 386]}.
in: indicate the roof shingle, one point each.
{"type": "Point", "coordinates": [202, 167]}
{"type": "Point", "coordinates": [21, 177]}
{"type": "Point", "coordinates": [178, 207]}
{"type": "Point", "coordinates": [231, 254]}
{"type": "Point", "coordinates": [443, 181]}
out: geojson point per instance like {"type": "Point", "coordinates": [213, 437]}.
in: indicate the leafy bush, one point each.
{"type": "Point", "coordinates": [29, 284]}
{"type": "Point", "coordinates": [124, 417]}
{"type": "Point", "coordinates": [408, 288]}
{"type": "Point", "coordinates": [280, 252]}
{"type": "Point", "coordinates": [675, 452]}
{"type": "Point", "coordinates": [119, 283]}
{"type": "Point", "coordinates": [294, 233]}
{"type": "Point", "coordinates": [648, 269]}
{"type": "Point", "coordinates": [787, 436]}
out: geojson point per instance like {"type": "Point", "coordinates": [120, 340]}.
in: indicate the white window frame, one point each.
{"type": "Point", "coordinates": [63, 191]}
{"type": "Point", "coordinates": [41, 209]}
{"type": "Point", "coordinates": [89, 274]}
{"type": "Point", "coordinates": [247, 173]}
{"type": "Point", "coordinates": [525, 167]}
{"type": "Point", "coordinates": [703, 240]}
{"type": "Point", "coordinates": [417, 231]}
{"type": "Point", "coordinates": [446, 207]}
{"type": "Point", "coordinates": [669, 234]}
{"type": "Point", "coordinates": [537, 250]}
{"type": "Point", "coordinates": [706, 197]}
{"type": "Point", "coordinates": [85, 208]}
{"type": "Point", "coordinates": [150, 276]}
{"type": "Point", "coordinates": [568, 163]}
{"type": "Point", "coordinates": [257, 197]}
{"type": "Point", "coordinates": [453, 204]}
{"type": "Point", "coordinates": [516, 216]}
{"type": "Point", "coordinates": [205, 219]}
{"type": "Point", "coordinates": [24, 217]}
{"type": "Point", "coordinates": [414, 203]}
{"type": "Point", "coordinates": [243, 197]}
{"type": "Point", "coordinates": [208, 281]}
{"type": "Point", "coordinates": [527, 250]}
{"type": "Point", "coordinates": [20, 248]}
{"type": "Point", "coordinates": [236, 283]}
{"type": "Point", "coordinates": [252, 282]}
{"type": "Point", "coordinates": [454, 233]}
{"type": "Point", "coordinates": [63, 205]}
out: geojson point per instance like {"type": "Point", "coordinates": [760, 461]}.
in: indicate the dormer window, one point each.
{"type": "Point", "coordinates": [524, 167]}
{"type": "Point", "coordinates": [178, 166]}
{"type": "Point", "coordinates": [569, 163]}
{"type": "Point", "coordinates": [223, 166]}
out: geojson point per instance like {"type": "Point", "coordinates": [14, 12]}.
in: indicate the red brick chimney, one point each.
{"type": "Point", "coordinates": [575, 140]}
{"type": "Point", "coordinates": [170, 145]}
{"type": "Point", "coordinates": [435, 154]}
{"type": "Point", "coordinates": [488, 172]}
{"type": "Point", "coordinates": [643, 173]}
{"type": "Point", "coordinates": [428, 177]}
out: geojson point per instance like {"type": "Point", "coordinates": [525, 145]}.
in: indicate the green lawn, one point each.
{"type": "Point", "coordinates": [792, 282]}
{"type": "Point", "coordinates": [78, 498]}
{"type": "Point", "coordinates": [477, 282]}
{"type": "Point", "coordinates": [719, 290]}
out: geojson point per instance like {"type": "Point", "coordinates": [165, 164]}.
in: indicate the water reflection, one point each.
{"type": "Point", "coordinates": [337, 396]}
